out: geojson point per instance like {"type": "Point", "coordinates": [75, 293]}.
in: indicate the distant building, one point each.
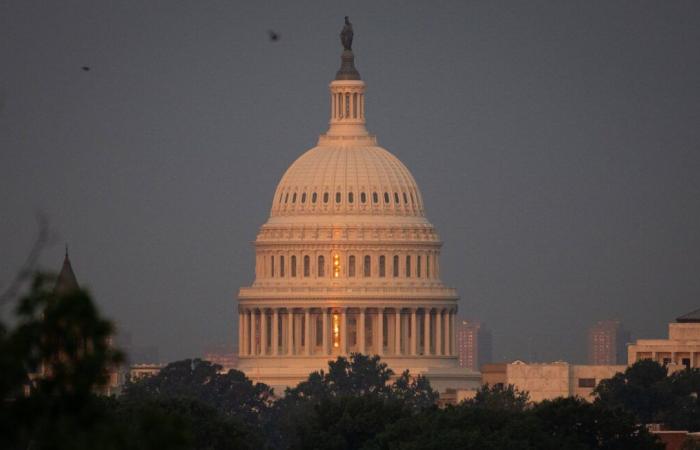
{"type": "Point", "coordinates": [546, 381]}
{"type": "Point", "coordinates": [141, 371]}
{"type": "Point", "coordinates": [682, 348]}
{"type": "Point", "coordinates": [474, 344]}
{"type": "Point", "coordinates": [607, 342]}
{"type": "Point", "coordinates": [227, 360]}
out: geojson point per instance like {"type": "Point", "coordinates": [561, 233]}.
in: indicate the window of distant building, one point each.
{"type": "Point", "coordinates": [586, 382]}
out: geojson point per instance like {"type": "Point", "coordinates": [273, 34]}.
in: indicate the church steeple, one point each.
{"type": "Point", "coordinates": [66, 281]}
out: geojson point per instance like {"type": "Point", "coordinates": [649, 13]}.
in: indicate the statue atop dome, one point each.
{"type": "Point", "coordinates": [347, 66]}
{"type": "Point", "coordinates": [346, 34]}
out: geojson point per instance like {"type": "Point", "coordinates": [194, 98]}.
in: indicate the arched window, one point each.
{"type": "Point", "coordinates": [294, 197]}
{"type": "Point", "coordinates": [321, 266]}
{"type": "Point", "coordinates": [395, 268]}
{"type": "Point", "coordinates": [325, 197]}
{"type": "Point", "coordinates": [382, 266]}
{"type": "Point", "coordinates": [354, 105]}
{"type": "Point", "coordinates": [281, 195]}
{"type": "Point", "coordinates": [294, 265]}
{"type": "Point", "coordinates": [368, 266]}
{"type": "Point", "coordinates": [313, 197]}
{"type": "Point", "coordinates": [405, 199]}
{"type": "Point", "coordinates": [351, 266]}
{"type": "Point", "coordinates": [303, 197]}
{"type": "Point", "coordinates": [286, 197]}
{"type": "Point", "coordinates": [307, 263]}
{"type": "Point", "coordinates": [351, 197]}
{"type": "Point", "coordinates": [386, 197]}
{"type": "Point", "coordinates": [412, 199]}
{"type": "Point", "coordinates": [363, 197]}
{"type": "Point", "coordinates": [375, 197]}
{"type": "Point", "coordinates": [427, 266]}
{"type": "Point", "coordinates": [418, 264]}
{"type": "Point", "coordinates": [396, 198]}
{"type": "Point", "coordinates": [337, 197]}
{"type": "Point", "coordinates": [408, 266]}
{"type": "Point", "coordinates": [272, 266]}
{"type": "Point", "coordinates": [281, 265]}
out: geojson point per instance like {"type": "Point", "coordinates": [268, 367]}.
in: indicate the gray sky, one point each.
{"type": "Point", "coordinates": [556, 144]}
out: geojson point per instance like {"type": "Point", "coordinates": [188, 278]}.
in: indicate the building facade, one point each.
{"type": "Point", "coordinates": [607, 343]}
{"type": "Point", "coordinates": [680, 350]}
{"type": "Point", "coordinates": [348, 262]}
{"type": "Point", "coordinates": [474, 344]}
{"type": "Point", "coordinates": [547, 381]}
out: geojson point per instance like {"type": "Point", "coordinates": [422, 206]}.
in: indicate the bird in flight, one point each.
{"type": "Point", "coordinates": [86, 69]}
{"type": "Point", "coordinates": [274, 36]}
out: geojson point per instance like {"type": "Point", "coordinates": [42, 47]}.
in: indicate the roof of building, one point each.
{"type": "Point", "coordinates": [66, 281]}
{"type": "Point", "coordinates": [693, 316]}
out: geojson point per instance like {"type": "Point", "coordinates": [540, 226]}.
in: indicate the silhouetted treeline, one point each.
{"type": "Point", "coordinates": [358, 402]}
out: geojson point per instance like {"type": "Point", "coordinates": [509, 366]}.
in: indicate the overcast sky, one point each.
{"type": "Point", "coordinates": [556, 144]}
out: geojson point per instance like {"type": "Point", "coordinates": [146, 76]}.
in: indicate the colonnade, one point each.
{"type": "Point", "coordinates": [314, 331]}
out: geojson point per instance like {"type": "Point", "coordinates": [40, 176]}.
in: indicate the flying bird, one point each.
{"type": "Point", "coordinates": [86, 68]}
{"type": "Point", "coordinates": [274, 37]}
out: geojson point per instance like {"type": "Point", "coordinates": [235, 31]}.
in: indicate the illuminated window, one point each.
{"type": "Point", "coordinates": [408, 266]}
{"type": "Point", "coordinates": [321, 266]}
{"type": "Point", "coordinates": [351, 266]}
{"type": "Point", "coordinates": [382, 266]}
{"type": "Point", "coordinates": [307, 263]}
{"type": "Point", "coordinates": [294, 265]}
{"type": "Point", "coordinates": [336, 331]}
{"type": "Point", "coordinates": [396, 266]}
{"type": "Point", "coordinates": [368, 266]}
{"type": "Point", "coordinates": [336, 265]}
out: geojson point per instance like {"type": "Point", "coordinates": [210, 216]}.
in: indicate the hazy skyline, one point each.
{"type": "Point", "coordinates": [556, 145]}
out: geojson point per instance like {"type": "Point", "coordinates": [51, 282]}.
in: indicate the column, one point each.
{"type": "Point", "coordinates": [263, 331]}
{"type": "Point", "coordinates": [438, 332]}
{"type": "Point", "coordinates": [379, 337]}
{"type": "Point", "coordinates": [426, 331]}
{"type": "Point", "coordinates": [290, 331]}
{"type": "Point", "coordinates": [250, 336]}
{"type": "Point", "coordinates": [324, 311]}
{"type": "Point", "coordinates": [240, 332]}
{"type": "Point", "coordinates": [275, 331]}
{"type": "Point", "coordinates": [414, 332]}
{"type": "Point", "coordinates": [453, 345]}
{"type": "Point", "coordinates": [307, 331]}
{"type": "Point", "coordinates": [448, 333]}
{"type": "Point", "coordinates": [397, 331]}
{"type": "Point", "coordinates": [361, 332]}
{"type": "Point", "coordinates": [343, 331]}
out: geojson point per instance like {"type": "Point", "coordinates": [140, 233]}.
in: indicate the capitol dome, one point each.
{"type": "Point", "coordinates": [347, 180]}
{"type": "Point", "coordinates": [347, 262]}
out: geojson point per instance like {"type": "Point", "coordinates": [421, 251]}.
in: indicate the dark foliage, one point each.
{"type": "Point", "coordinates": [646, 391]}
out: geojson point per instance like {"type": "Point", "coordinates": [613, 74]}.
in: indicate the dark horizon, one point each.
{"type": "Point", "coordinates": [556, 147]}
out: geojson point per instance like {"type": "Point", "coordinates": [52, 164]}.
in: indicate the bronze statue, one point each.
{"type": "Point", "coordinates": [346, 35]}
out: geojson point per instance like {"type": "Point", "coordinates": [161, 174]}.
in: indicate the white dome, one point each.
{"type": "Point", "coordinates": [347, 180]}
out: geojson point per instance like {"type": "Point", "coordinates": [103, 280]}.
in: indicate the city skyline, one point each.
{"type": "Point", "coordinates": [556, 151]}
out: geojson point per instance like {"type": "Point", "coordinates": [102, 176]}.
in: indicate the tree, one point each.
{"type": "Point", "coordinates": [642, 390]}
{"type": "Point", "coordinates": [499, 397]}
{"type": "Point", "coordinates": [231, 393]}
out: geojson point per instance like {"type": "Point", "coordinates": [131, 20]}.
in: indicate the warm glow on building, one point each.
{"type": "Point", "coordinates": [336, 265]}
{"type": "Point", "coordinates": [336, 331]}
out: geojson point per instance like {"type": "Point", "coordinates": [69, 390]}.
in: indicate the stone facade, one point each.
{"type": "Point", "coordinates": [681, 349]}
{"type": "Point", "coordinates": [347, 262]}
